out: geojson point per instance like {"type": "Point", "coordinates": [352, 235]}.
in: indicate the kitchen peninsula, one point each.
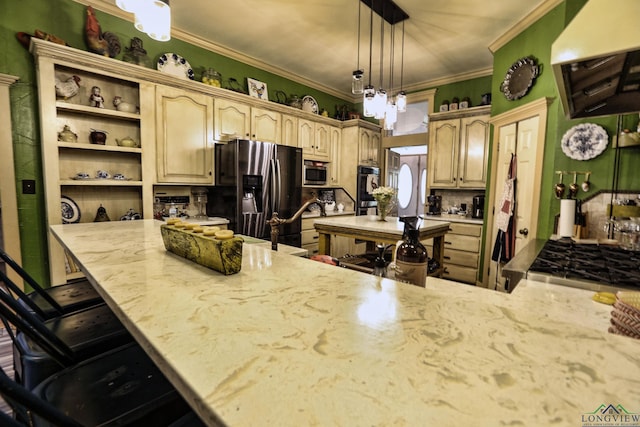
{"type": "Point", "coordinates": [371, 229]}
{"type": "Point", "coordinates": [289, 341]}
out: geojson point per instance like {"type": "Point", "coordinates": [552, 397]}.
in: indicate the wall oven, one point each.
{"type": "Point", "coordinates": [315, 173]}
{"type": "Point", "coordinates": [368, 180]}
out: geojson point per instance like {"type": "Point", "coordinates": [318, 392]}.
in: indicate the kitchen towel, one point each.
{"type": "Point", "coordinates": [567, 217]}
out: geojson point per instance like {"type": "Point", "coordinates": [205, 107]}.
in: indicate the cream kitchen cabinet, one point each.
{"type": "Point", "coordinates": [309, 236]}
{"type": "Point", "coordinates": [289, 133]}
{"type": "Point", "coordinates": [355, 134]}
{"type": "Point", "coordinates": [459, 149]}
{"type": "Point", "coordinates": [64, 156]}
{"type": "Point", "coordinates": [238, 120]}
{"type": "Point", "coordinates": [314, 139]}
{"type": "Point", "coordinates": [461, 253]}
{"type": "Point", "coordinates": [184, 136]}
{"type": "Point", "coordinates": [369, 147]}
{"type": "Point", "coordinates": [335, 136]}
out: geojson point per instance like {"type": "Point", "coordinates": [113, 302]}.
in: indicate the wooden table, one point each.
{"type": "Point", "coordinates": [369, 228]}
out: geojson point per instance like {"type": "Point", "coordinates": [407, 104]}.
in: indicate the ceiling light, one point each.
{"type": "Point", "coordinates": [357, 84]}
{"type": "Point", "coordinates": [152, 17]}
{"type": "Point", "coordinates": [401, 98]}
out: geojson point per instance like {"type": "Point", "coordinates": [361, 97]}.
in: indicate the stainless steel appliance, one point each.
{"type": "Point", "coordinates": [253, 180]}
{"type": "Point", "coordinates": [579, 265]}
{"type": "Point", "coordinates": [314, 173]}
{"type": "Point", "coordinates": [477, 207]}
{"type": "Point", "coordinates": [368, 180]}
{"type": "Point", "coordinates": [434, 205]}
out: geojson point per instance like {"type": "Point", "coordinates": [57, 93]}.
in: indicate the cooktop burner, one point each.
{"type": "Point", "coordinates": [602, 264]}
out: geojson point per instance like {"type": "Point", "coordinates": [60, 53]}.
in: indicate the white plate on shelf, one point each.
{"type": "Point", "coordinates": [70, 211]}
{"type": "Point", "coordinates": [309, 104]}
{"type": "Point", "coordinates": [175, 65]}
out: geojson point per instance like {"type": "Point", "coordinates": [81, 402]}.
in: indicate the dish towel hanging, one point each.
{"type": "Point", "coordinates": [504, 247]}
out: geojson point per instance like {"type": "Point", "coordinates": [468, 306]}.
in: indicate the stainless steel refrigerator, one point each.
{"type": "Point", "coordinates": [253, 180]}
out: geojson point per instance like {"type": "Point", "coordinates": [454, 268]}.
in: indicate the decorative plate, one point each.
{"type": "Point", "coordinates": [70, 211]}
{"type": "Point", "coordinates": [584, 141]}
{"type": "Point", "coordinates": [519, 78]}
{"type": "Point", "coordinates": [309, 104]}
{"type": "Point", "coordinates": [176, 65]}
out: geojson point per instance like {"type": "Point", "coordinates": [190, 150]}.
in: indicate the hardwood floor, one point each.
{"type": "Point", "coordinates": [6, 362]}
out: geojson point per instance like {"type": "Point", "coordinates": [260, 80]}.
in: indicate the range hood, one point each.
{"type": "Point", "coordinates": [596, 60]}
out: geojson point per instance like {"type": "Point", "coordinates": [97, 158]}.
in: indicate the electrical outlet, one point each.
{"type": "Point", "coordinates": [28, 186]}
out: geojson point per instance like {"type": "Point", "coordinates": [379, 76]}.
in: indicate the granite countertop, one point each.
{"type": "Point", "coordinates": [329, 214]}
{"type": "Point", "coordinates": [465, 219]}
{"type": "Point", "coordinates": [289, 341]}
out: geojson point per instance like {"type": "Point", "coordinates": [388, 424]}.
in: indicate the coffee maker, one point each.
{"type": "Point", "coordinates": [478, 207]}
{"type": "Point", "coordinates": [434, 205]}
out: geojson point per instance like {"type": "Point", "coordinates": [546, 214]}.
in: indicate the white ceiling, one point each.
{"type": "Point", "coordinates": [316, 40]}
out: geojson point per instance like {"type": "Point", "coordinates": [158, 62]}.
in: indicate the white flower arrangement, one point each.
{"type": "Point", "coordinates": [383, 194]}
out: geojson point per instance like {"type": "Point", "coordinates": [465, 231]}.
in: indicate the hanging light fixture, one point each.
{"type": "Point", "coordinates": [357, 82]}
{"type": "Point", "coordinates": [152, 17]}
{"type": "Point", "coordinates": [391, 110]}
{"type": "Point", "coordinates": [380, 100]}
{"type": "Point", "coordinates": [381, 104]}
{"type": "Point", "coordinates": [369, 91]}
{"type": "Point", "coordinates": [401, 98]}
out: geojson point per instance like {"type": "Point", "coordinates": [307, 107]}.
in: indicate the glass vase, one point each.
{"type": "Point", "coordinates": [383, 208]}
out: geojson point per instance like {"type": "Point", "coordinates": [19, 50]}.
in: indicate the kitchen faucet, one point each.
{"type": "Point", "coordinates": [276, 221]}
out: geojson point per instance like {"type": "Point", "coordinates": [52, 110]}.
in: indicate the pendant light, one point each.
{"type": "Point", "coordinates": [369, 92]}
{"type": "Point", "coordinates": [401, 98]}
{"type": "Point", "coordinates": [152, 17]}
{"type": "Point", "coordinates": [357, 82]}
{"type": "Point", "coordinates": [391, 110]}
{"type": "Point", "coordinates": [380, 100]}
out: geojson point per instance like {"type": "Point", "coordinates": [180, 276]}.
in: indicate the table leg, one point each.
{"type": "Point", "coordinates": [438, 252]}
{"type": "Point", "coordinates": [324, 244]}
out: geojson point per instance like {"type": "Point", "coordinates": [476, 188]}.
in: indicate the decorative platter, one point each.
{"type": "Point", "coordinates": [175, 65]}
{"type": "Point", "coordinates": [309, 104]}
{"type": "Point", "coordinates": [70, 211]}
{"type": "Point", "coordinates": [584, 141]}
{"type": "Point", "coordinates": [519, 78]}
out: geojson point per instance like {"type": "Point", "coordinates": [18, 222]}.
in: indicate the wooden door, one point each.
{"type": "Point", "coordinates": [322, 141]}
{"type": "Point", "coordinates": [306, 137]}
{"type": "Point", "coordinates": [184, 136]}
{"type": "Point", "coordinates": [522, 138]}
{"type": "Point", "coordinates": [232, 120]}
{"type": "Point", "coordinates": [444, 143]}
{"type": "Point", "coordinates": [265, 125]}
{"type": "Point", "coordinates": [289, 134]}
{"type": "Point", "coordinates": [474, 152]}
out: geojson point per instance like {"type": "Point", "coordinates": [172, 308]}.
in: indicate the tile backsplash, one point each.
{"type": "Point", "coordinates": [456, 198]}
{"type": "Point", "coordinates": [596, 209]}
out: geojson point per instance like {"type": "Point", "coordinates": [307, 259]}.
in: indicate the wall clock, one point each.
{"type": "Point", "coordinates": [519, 78]}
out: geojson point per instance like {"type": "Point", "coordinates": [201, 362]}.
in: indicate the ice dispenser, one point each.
{"type": "Point", "coordinates": [252, 194]}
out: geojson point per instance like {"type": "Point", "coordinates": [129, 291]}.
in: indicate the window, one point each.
{"type": "Point", "coordinates": [414, 120]}
{"type": "Point", "coordinates": [405, 186]}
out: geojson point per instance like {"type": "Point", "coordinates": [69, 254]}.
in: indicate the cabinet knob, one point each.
{"type": "Point", "coordinates": [523, 231]}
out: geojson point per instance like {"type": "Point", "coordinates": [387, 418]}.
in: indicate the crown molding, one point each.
{"type": "Point", "coordinates": [524, 23]}
{"type": "Point", "coordinates": [8, 80]}
{"type": "Point", "coordinates": [110, 8]}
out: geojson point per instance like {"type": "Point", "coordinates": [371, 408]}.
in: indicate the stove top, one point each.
{"type": "Point", "coordinates": [576, 264]}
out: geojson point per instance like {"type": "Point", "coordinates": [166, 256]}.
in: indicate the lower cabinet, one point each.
{"type": "Point", "coordinates": [461, 252]}
{"type": "Point", "coordinates": [309, 236]}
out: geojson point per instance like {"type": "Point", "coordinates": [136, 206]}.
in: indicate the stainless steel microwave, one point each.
{"type": "Point", "coordinates": [315, 173]}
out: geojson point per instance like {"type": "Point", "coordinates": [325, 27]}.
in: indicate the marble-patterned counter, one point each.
{"type": "Point", "coordinates": [290, 342]}
{"type": "Point", "coordinates": [464, 219]}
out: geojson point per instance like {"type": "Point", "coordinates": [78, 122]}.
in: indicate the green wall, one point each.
{"type": "Point", "coordinates": [536, 41]}
{"type": "Point", "coordinates": [65, 19]}
{"type": "Point", "coordinates": [473, 89]}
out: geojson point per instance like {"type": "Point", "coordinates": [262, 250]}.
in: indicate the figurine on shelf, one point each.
{"type": "Point", "coordinates": [123, 106]}
{"type": "Point", "coordinates": [67, 88]}
{"type": "Point", "coordinates": [96, 99]}
{"type": "Point", "coordinates": [136, 54]}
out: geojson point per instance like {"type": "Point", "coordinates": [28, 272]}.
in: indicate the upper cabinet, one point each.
{"type": "Point", "coordinates": [369, 147]}
{"type": "Point", "coordinates": [459, 148]}
{"type": "Point", "coordinates": [289, 134]}
{"type": "Point", "coordinates": [184, 136]}
{"type": "Point", "coordinates": [335, 136]}
{"type": "Point", "coordinates": [313, 138]}
{"type": "Point", "coordinates": [237, 120]}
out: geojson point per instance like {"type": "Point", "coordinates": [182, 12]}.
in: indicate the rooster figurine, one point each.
{"type": "Point", "coordinates": [107, 43]}
{"type": "Point", "coordinates": [68, 88]}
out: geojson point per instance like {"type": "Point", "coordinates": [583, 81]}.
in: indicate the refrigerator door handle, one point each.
{"type": "Point", "coordinates": [273, 189]}
{"type": "Point", "coordinates": [279, 183]}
